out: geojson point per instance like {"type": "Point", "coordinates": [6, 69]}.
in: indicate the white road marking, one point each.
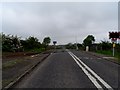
{"type": "Point", "coordinates": [86, 72]}
{"type": "Point", "coordinates": [98, 77]}
{"type": "Point", "coordinates": [90, 70]}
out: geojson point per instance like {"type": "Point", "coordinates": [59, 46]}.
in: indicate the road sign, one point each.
{"type": "Point", "coordinates": [113, 45]}
{"type": "Point", "coordinates": [54, 42]}
{"type": "Point", "coordinates": [114, 36]}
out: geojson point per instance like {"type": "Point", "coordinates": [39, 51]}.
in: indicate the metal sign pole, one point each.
{"type": "Point", "coordinates": [114, 48]}
{"type": "Point", "coordinates": [114, 36]}
{"type": "Point", "coordinates": [113, 52]}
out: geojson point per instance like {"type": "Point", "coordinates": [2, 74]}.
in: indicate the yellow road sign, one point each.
{"type": "Point", "coordinates": [114, 45]}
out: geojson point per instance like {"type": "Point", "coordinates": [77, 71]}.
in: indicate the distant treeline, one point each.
{"type": "Point", "coordinates": [103, 45]}
{"type": "Point", "coordinates": [89, 41]}
{"type": "Point", "coordinates": [11, 43]}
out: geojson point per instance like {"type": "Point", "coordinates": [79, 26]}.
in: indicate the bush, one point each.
{"type": "Point", "coordinates": [12, 43]}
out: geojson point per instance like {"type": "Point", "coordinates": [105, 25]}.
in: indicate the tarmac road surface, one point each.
{"type": "Point", "coordinates": [72, 69]}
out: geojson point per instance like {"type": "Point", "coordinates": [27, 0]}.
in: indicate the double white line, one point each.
{"type": "Point", "coordinates": [90, 73]}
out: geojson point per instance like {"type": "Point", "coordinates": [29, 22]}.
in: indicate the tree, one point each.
{"type": "Point", "coordinates": [70, 46]}
{"type": "Point", "coordinates": [80, 46]}
{"type": "Point", "coordinates": [6, 43]}
{"type": "Point", "coordinates": [16, 45]}
{"type": "Point", "coordinates": [10, 43]}
{"type": "Point", "coordinates": [88, 40]}
{"type": "Point", "coordinates": [46, 41]}
{"type": "Point", "coordinates": [105, 45]}
{"type": "Point", "coordinates": [30, 43]}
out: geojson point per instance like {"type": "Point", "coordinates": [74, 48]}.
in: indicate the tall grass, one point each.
{"type": "Point", "coordinates": [110, 53]}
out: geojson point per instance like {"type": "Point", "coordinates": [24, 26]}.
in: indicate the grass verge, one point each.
{"type": "Point", "coordinates": [10, 64]}
{"type": "Point", "coordinates": [110, 53]}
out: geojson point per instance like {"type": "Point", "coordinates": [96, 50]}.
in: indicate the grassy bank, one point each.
{"type": "Point", "coordinates": [109, 52]}
{"type": "Point", "coordinates": [36, 50]}
{"type": "Point", "coordinates": [13, 67]}
{"type": "Point", "coordinates": [23, 53]}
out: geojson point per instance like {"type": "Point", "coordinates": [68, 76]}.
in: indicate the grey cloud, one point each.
{"type": "Point", "coordinates": [60, 21]}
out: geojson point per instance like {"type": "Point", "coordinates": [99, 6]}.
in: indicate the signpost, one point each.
{"type": "Point", "coordinates": [54, 42]}
{"type": "Point", "coordinates": [114, 36]}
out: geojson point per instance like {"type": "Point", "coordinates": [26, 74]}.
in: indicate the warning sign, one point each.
{"type": "Point", "coordinates": [113, 45]}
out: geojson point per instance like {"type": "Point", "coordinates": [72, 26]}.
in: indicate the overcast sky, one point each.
{"type": "Point", "coordinates": [61, 21]}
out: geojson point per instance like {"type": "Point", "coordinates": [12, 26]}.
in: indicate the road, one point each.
{"type": "Point", "coordinates": [72, 69]}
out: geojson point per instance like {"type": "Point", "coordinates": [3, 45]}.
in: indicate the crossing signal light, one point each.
{"type": "Point", "coordinates": [117, 34]}
{"type": "Point", "coordinates": [114, 35]}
